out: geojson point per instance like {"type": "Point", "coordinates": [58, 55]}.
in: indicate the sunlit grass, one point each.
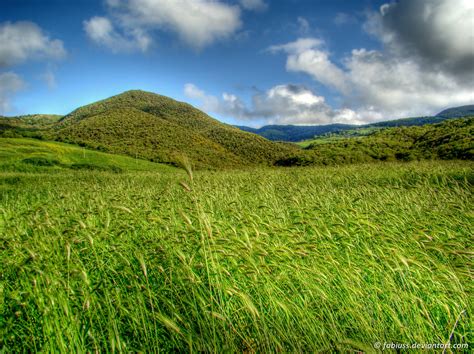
{"type": "Point", "coordinates": [265, 260]}
{"type": "Point", "coordinates": [31, 155]}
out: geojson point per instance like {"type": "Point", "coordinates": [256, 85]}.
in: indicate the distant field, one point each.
{"type": "Point", "coordinates": [335, 137]}
{"type": "Point", "coordinates": [301, 259]}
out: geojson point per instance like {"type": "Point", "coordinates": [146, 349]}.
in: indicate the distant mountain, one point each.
{"type": "Point", "coordinates": [461, 111]}
{"type": "Point", "coordinates": [294, 133]}
{"type": "Point", "coordinates": [297, 133]}
{"type": "Point", "coordinates": [158, 128]}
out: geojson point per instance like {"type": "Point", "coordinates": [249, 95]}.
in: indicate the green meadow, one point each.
{"type": "Point", "coordinates": [31, 155]}
{"type": "Point", "coordinates": [132, 256]}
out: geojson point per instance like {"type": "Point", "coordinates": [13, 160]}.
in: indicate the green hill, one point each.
{"type": "Point", "coordinates": [295, 133]}
{"type": "Point", "coordinates": [31, 155]}
{"type": "Point", "coordinates": [27, 126]}
{"type": "Point", "coordinates": [158, 128]}
{"type": "Point", "coordinates": [451, 139]}
{"type": "Point", "coordinates": [461, 111]}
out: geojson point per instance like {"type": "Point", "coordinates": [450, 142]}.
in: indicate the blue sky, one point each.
{"type": "Point", "coordinates": [249, 62]}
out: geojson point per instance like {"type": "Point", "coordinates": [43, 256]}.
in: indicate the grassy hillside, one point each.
{"type": "Point", "coordinates": [451, 139]}
{"type": "Point", "coordinates": [328, 259]}
{"type": "Point", "coordinates": [461, 111]}
{"type": "Point", "coordinates": [32, 120]}
{"type": "Point", "coordinates": [161, 129]}
{"type": "Point", "coordinates": [30, 155]}
{"type": "Point", "coordinates": [27, 126]}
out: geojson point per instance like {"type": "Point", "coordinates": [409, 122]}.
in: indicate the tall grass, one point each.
{"type": "Point", "coordinates": [316, 259]}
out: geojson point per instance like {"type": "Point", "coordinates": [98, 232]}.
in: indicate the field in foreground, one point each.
{"type": "Point", "coordinates": [303, 259]}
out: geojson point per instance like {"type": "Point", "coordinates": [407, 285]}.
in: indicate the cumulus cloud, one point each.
{"type": "Point", "coordinates": [10, 83]}
{"type": "Point", "coordinates": [208, 103]}
{"type": "Point", "coordinates": [102, 31]}
{"type": "Point", "coordinates": [256, 5]}
{"type": "Point", "coordinates": [438, 32]}
{"type": "Point", "coordinates": [426, 63]}
{"type": "Point", "coordinates": [402, 87]}
{"type": "Point", "coordinates": [281, 104]}
{"type": "Point", "coordinates": [21, 41]}
{"type": "Point", "coordinates": [130, 24]}
{"type": "Point", "coordinates": [306, 55]}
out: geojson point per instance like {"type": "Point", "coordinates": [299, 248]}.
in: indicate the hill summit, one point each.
{"type": "Point", "coordinates": [155, 127]}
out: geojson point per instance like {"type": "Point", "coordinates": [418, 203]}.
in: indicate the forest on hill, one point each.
{"type": "Point", "coordinates": [452, 139]}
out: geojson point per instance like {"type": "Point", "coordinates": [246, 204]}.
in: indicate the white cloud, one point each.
{"type": "Point", "coordinates": [256, 5]}
{"type": "Point", "coordinates": [21, 41]}
{"type": "Point", "coordinates": [102, 31]}
{"type": "Point", "coordinates": [426, 65]}
{"type": "Point", "coordinates": [402, 87]}
{"type": "Point", "coordinates": [208, 103]}
{"type": "Point", "coordinates": [281, 104]}
{"type": "Point", "coordinates": [10, 83]}
{"type": "Point", "coordinates": [130, 24]}
{"type": "Point", "coordinates": [305, 55]}
{"type": "Point", "coordinates": [299, 46]}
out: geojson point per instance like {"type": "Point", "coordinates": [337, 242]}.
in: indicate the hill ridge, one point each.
{"type": "Point", "coordinates": [167, 129]}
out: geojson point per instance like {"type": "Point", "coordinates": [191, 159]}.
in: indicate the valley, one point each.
{"type": "Point", "coordinates": [139, 222]}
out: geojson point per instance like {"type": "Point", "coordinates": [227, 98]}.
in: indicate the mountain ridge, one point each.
{"type": "Point", "coordinates": [297, 133]}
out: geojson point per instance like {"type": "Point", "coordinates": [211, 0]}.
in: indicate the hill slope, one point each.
{"type": "Point", "coordinates": [31, 155]}
{"type": "Point", "coordinates": [461, 111]}
{"type": "Point", "coordinates": [452, 139]}
{"type": "Point", "coordinates": [294, 133]}
{"type": "Point", "coordinates": [29, 125]}
{"type": "Point", "coordinates": [158, 128]}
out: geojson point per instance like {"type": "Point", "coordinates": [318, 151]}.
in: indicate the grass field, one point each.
{"type": "Point", "coordinates": [301, 259]}
{"type": "Point", "coordinates": [31, 155]}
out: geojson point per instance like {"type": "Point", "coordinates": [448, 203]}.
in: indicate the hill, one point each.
{"type": "Point", "coordinates": [300, 133]}
{"type": "Point", "coordinates": [28, 125]}
{"type": "Point", "coordinates": [158, 128]}
{"type": "Point", "coordinates": [294, 133]}
{"type": "Point", "coordinates": [31, 155]}
{"type": "Point", "coordinates": [461, 111]}
{"type": "Point", "coordinates": [452, 139]}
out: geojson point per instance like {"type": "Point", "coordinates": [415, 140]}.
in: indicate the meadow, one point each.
{"type": "Point", "coordinates": [265, 259]}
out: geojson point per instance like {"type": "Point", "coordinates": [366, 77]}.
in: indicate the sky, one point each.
{"type": "Point", "coordinates": [246, 62]}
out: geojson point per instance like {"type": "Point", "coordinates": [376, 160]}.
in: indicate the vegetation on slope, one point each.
{"type": "Point", "coordinates": [303, 133]}
{"type": "Point", "coordinates": [30, 155]}
{"type": "Point", "coordinates": [272, 260]}
{"type": "Point", "coordinates": [295, 133]}
{"type": "Point", "coordinates": [27, 126]}
{"type": "Point", "coordinates": [452, 139]}
{"type": "Point", "coordinates": [155, 127]}
{"type": "Point", "coordinates": [462, 111]}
